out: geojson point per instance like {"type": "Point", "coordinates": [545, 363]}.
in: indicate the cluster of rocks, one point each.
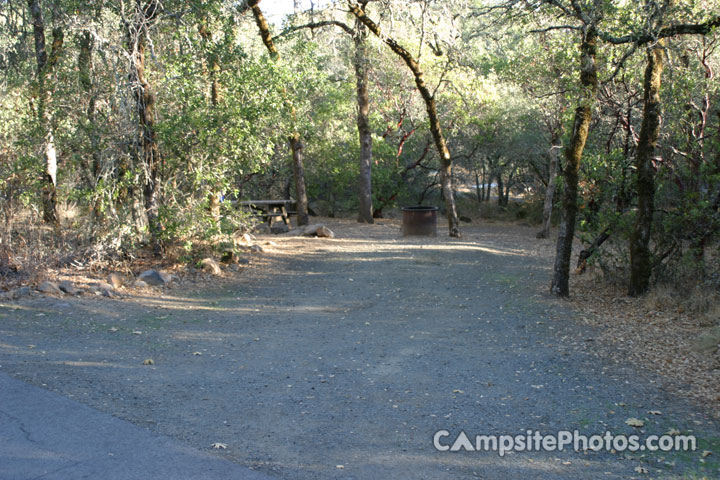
{"type": "Point", "coordinates": [159, 278]}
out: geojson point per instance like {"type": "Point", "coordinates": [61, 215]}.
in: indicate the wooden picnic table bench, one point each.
{"type": "Point", "coordinates": [269, 209]}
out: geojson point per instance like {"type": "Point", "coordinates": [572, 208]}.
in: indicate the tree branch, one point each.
{"type": "Point", "coordinates": [314, 25]}
{"type": "Point", "coordinates": [665, 32]}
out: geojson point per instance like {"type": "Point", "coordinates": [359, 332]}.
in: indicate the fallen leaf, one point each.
{"type": "Point", "coordinates": [635, 422]}
{"type": "Point", "coordinates": [219, 446]}
{"type": "Point", "coordinates": [113, 329]}
{"type": "Point", "coordinates": [706, 453]}
{"type": "Point", "coordinates": [197, 353]}
{"type": "Point", "coordinates": [340, 466]}
{"type": "Point", "coordinates": [149, 361]}
{"type": "Point", "coordinates": [655, 412]}
{"type": "Point", "coordinates": [673, 431]}
{"type": "Point", "coordinates": [137, 332]}
{"type": "Point", "coordinates": [458, 391]}
{"type": "Point", "coordinates": [641, 470]}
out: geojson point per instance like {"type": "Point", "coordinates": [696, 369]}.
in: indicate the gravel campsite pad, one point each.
{"type": "Point", "coordinates": [342, 357]}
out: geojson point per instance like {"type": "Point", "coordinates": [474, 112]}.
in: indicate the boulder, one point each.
{"type": "Point", "coordinates": [296, 232]}
{"type": "Point", "coordinates": [69, 288]}
{"type": "Point", "coordinates": [325, 232]}
{"type": "Point", "coordinates": [256, 249]}
{"type": "Point", "coordinates": [209, 265]}
{"type": "Point", "coordinates": [102, 287]}
{"type": "Point", "coordinates": [16, 293]}
{"type": "Point", "coordinates": [311, 230]}
{"type": "Point", "coordinates": [318, 230]}
{"type": "Point", "coordinates": [116, 280]}
{"type": "Point", "coordinates": [20, 292]}
{"type": "Point", "coordinates": [244, 239]}
{"type": "Point", "coordinates": [50, 288]}
{"type": "Point", "coordinates": [154, 277]}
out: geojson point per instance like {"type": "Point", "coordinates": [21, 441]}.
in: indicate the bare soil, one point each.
{"type": "Point", "coordinates": [340, 358]}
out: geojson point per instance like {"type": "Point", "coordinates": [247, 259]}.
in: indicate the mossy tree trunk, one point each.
{"type": "Point", "coordinates": [640, 264]}
{"type": "Point", "coordinates": [573, 155]}
{"type": "Point", "coordinates": [429, 99]}
{"type": "Point", "coordinates": [146, 12]}
{"type": "Point", "coordinates": [360, 62]}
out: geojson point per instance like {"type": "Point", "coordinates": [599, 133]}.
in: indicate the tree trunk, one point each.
{"type": "Point", "coordinates": [500, 186]}
{"type": "Point", "coordinates": [550, 190]}
{"type": "Point", "coordinates": [86, 43]}
{"type": "Point", "coordinates": [478, 191]}
{"type": "Point", "coordinates": [429, 99]}
{"type": "Point", "coordinates": [573, 155]}
{"type": "Point", "coordinates": [45, 66]}
{"type": "Point", "coordinates": [640, 265]}
{"type": "Point", "coordinates": [365, 215]}
{"type": "Point", "coordinates": [297, 146]}
{"type": "Point", "coordinates": [263, 27]}
{"type": "Point", "coordinates": [137, 31]}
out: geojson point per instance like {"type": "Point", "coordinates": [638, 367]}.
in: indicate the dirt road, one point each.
{"type": "Point", "coordinates": [347, 355]}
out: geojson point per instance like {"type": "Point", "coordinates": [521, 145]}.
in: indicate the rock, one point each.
{"type": "Point", "coordinates": [245, 238]}
{"type": "Point", "coordinates": [22, 292]}
{"type": "Point", "coordinates": [311, 230]}
{"type": "Point", "coordinates": [140, 284]}
{"type": "Point", "coordinates": [111, 293]}
{"type": "Point", "coordinates": [209, 265]}
{"type": "Point", "coordinates": [465, 219]}
{"type": "Point", "coordinates": [708, 342]}
{"type": "Point", "coordinates": [262, 229]}
{"type": "Point", "coordinates": [69, 288]}
{"type": "Point", "coordinates": [242, 261]}
{"type": "Point", "coordinates": [296, 232]}
{"type": "Point", "coordinates": [318, 230]}
{"type": "Point", "coordinates": [15, 293]}
{"type": "Point", "coordinates": [325, 232]}
{"type": "Point", "coordinates": [154, 277]}
{"type": "Point", "coordinates": [102, 287]}
{"type": "Point", "coordinates": [50, 288]}
{"type": "Point", "coordinates": [279, 228]}
{"type": "Point", "coordinates": [116, 280]}
{"type": "Point", "coordinates": [256, 249]}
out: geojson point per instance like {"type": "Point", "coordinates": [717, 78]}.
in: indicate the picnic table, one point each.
{"type": "Point", "coordinates": [269, 209]}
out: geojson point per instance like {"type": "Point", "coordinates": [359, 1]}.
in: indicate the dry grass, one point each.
{"type": "Point", "coordinates": [663, 332]}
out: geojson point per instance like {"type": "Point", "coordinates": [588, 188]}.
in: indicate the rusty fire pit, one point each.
{"type": "Point", "coordinates": [419, 220]}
